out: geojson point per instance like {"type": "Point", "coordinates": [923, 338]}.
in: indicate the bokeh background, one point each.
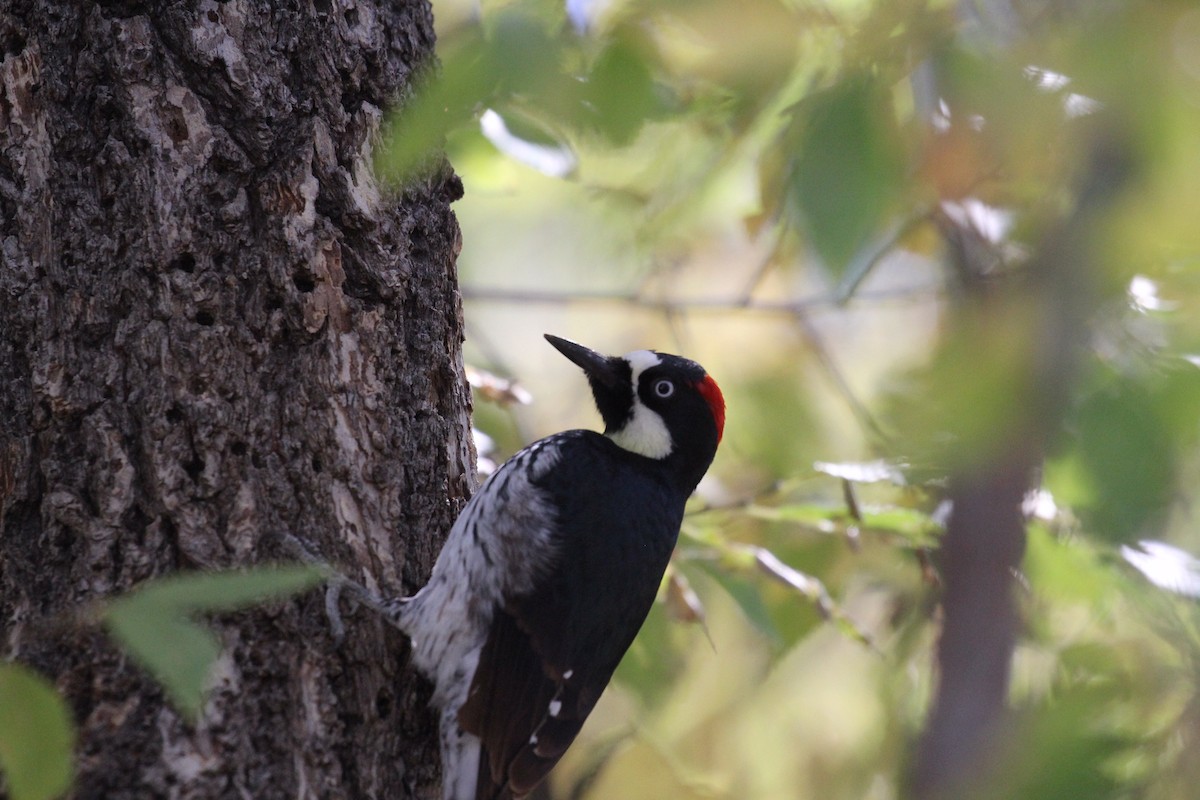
{"type": "Point", "coordinates": [894, 232]}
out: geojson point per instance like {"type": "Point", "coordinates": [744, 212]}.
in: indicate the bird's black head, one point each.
{"type": "Point", "coordinates": [657, 405]}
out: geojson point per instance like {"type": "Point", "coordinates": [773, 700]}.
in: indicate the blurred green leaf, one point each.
{"type": "Point", "coordinates": [155, 623]}
{"type": "Point", "coordinates": [1128, 457]}
{"type": "Point", "coordinates": [1062, 749]}
{"type": "Point", "coordinates": [653, 660]}
{"type": "Point", "coordinates": [747, 597]}
{"type": "Point", "coordinates": [814, 515]}
{"type": "Point", "coordinates": [786, 134]}
{"type": "Point", "coordinates": [36, 735]}
{"type": "Point", "coordinates": [444, 100]}
{"type": "Point", "coordinates": [1118, 463]}
{"type": "Point", "coordinates": [848, 173]}
{"type": "Point", "coordinates": [962, 409]}
{"type": "Point", "coordinates": [1065, 569]}
{"type": "Point", "coordinates": [620, 93]}
{"type": "Point", "coordinates": [513, 57]}
{"type": "Point", "coordinates": [914, 526]}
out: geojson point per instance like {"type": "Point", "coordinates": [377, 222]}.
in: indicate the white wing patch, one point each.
{"type": "Point", "coordinates": [495, 550]}
{"type": "Point", "coordinates": [645, 433]}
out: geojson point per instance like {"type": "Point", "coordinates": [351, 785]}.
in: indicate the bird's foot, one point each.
{"type": "Point", "coordinates": [338, 585]}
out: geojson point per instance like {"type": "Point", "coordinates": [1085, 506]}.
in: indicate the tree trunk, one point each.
{"type": "Point", "coordinates": [968, 735]}
{"type": "Point", "coordinates": [216, 328]}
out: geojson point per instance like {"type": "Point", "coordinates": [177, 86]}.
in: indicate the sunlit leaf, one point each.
{"type": "Point", "coordinates": [863, 471]}
{"type": "Point", "coordinates": [155, 622]}
{"type": "Point", "coordinates": [36, 735]}
{"type": "Point", "coordinates": [555, 159]}
{"type": "Point", "coordinates": [1165, 566]}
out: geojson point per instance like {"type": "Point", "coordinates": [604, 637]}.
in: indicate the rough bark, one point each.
{"type": "Point", "coordinates": [216, 327]}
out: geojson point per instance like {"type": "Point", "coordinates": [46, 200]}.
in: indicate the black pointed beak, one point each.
{"type": "Point", "coordinates": [600, 369]}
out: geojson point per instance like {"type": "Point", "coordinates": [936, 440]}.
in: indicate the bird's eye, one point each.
{"type": "Point", "coordinates": [664, 389]}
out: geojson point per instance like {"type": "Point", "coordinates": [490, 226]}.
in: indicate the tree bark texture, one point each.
{"type": "Point", "coordinates": [215, 328]}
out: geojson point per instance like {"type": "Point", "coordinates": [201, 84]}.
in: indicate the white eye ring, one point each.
{"type": "Point", "coordinates": [664, 389]}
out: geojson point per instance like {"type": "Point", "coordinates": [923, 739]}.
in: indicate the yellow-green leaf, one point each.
{"type": "Point", "coordinates": [36, 735]}
{"type": "Point", "coordinates": [155, 623]}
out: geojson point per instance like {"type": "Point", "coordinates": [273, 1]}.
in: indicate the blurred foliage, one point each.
{"type": "Point", "coordinates": [156, 623]}
{"type": "Point", "coordinates": [834, 207]}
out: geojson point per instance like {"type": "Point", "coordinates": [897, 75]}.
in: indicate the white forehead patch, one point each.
{"type": "Point", "coordinates": [640, 361]}
{"type": "Point", "coordinates": [645, 433]}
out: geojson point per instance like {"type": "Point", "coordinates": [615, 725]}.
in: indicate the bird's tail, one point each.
{"type": "Point", "coordinates": [460, 759]}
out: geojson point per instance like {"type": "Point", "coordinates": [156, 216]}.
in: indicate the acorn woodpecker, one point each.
{"type": "Point", "coordinates": [551, 568]}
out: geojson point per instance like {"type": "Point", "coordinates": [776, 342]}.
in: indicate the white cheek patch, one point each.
{"type": "Point", "coordinates": [645, 433]}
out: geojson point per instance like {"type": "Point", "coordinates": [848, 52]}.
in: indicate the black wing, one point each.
{"type": "Point", "coordinates": [550, 653]}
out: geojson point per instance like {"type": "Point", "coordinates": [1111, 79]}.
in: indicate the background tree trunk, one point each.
{"type": "Point", "coordinates": [214, 328]}
{"type": "Point", "coordinates": [967, 737]}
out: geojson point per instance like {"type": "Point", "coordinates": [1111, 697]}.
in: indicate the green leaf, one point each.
{"type": "Point", "coordinates": [36, 735]}
{"type": "Point", "coordinates": [747, 596]}
{"type": "Point", "coordinates": [1066, 569]}
{"type": "Point", "coordinates": [815, 515]}
{"type": "Point", "coordinates": [1062, 750]}
{"type": "Point", "coordinates": [415, 133]}
{"type": "Point", "coordinates": [224, 591]}
{"type": "Point", "coordinates": [910, 524]}
{"type": "Point", "coordinates": [621, 93]}
{"type": "Point", "coordinates": [1126, 439]}
{"type": "Point", "coordinates": [849, 171]}
{"type": "Point", "coordinates": [154, 623]}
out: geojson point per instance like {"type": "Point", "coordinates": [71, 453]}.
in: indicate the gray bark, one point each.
{"type": "Point", "coordinates": [216, 327]}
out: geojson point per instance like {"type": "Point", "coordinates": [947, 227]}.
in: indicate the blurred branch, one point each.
{"type": "Point", "coordinates": [799, 309]}
{"type": "Point", "coordinates": [717, 305]}
{"type": "Point", "coordinates": [816, 345]}
{"type": "Point", "coordinates": [985, 536]}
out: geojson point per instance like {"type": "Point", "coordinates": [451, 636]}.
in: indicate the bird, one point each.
{"type": "Point", "coordinates": [551, 568]}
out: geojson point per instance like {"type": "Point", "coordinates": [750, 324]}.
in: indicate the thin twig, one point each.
{"type": "Point", "coordinates": [722, 305]}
